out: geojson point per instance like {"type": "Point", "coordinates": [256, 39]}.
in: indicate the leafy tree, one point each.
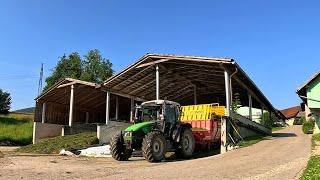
{"type": "Point", "coordinates": [93, 67]}
{"type": "Point", "coordinates": [267, 121]}
{"type": "Point", "coordinates": [96, 68]}
{"type": "Point", "coordinates": [236, 102]}
{"type": "Point", "coordinates": [68, 66]}
{"type": "Point", "coordinates": [5, 102]}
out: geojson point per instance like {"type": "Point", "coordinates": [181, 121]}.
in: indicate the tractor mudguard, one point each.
{"type": "Point", "coordinates": [177, 132]}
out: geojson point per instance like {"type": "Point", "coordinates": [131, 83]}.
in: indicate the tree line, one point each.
{"type": "Point", "coordinates": [91, 67]}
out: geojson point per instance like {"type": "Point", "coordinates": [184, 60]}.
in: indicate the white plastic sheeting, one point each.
{"type": "Point", "coordinates": [100, 151]}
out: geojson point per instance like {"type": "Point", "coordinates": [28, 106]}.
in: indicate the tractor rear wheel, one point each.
{"type": "Point", "coordinates": [187, 144]}
{"type": "Point", "coordinates": [118, 149]}
{"type": "Point", "coordinates": [154, 146]}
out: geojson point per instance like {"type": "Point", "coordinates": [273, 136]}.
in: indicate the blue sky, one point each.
{"type": "Point", "coordinates": [275, 42]}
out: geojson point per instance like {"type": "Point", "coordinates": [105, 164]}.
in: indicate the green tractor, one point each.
{"type": "Point", "coordinates": [156, 130]}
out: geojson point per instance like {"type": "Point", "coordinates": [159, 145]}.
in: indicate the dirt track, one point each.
{"type": "Point", "coordinates": [283, 157]}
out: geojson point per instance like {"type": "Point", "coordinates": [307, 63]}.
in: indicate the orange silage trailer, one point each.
{"type": "Point", "coordinates": [205, 121]}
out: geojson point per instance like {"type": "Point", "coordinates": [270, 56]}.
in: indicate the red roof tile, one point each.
{"type": "Point", "coordinates": [291, 112]}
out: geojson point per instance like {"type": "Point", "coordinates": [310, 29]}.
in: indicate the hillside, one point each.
{"type": "Point", "coordinates": [26, 110]}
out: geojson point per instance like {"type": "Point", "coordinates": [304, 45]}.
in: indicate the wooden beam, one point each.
{"type": "Point", "coordinates": [67, 84]}
{"type": "Point", "coordinates": [132, 77]}
{"type": "Point", "coordinates": [136, 82]}
{"type": "Point", "coordinates": [152, 63]}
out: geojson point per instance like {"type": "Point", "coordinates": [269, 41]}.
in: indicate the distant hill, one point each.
{"type": "Point", "coordinates": [26, 110]}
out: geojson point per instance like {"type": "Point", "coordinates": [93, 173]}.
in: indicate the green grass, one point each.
{"type": "Point", "coordinates": [315, 138]}
{"type": "Point", "coordinates": [313, 169]}
{"type": "Point", "coordinates": [54, 145]}
{"type": "Point", "coordinates": [277, 128]}
{"type": "Point", "coordinates": [253, 140]}
{"type": "Point", "coordinates": [16, 128]}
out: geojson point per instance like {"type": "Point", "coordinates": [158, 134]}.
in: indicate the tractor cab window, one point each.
{"type": "Point", "coordinates": [170, 113]}
{"type": "Point", "coordinates": [148, 113]}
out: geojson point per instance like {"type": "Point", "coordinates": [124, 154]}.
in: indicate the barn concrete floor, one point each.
{"type": "Point", "coordinates": [283, 157]}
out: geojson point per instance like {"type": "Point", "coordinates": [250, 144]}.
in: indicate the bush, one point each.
{"type": "Point", "coordinates": [299, 121]}
{"type": "Point", "coordinates": [315, 140]}
{"type": "Point", "coordinates": [308, 127]}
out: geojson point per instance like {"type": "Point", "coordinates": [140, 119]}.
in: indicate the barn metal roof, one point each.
{"type": "Point", "coordinates": [302, 89]}
{"type": "Point", "coordinates": [88, 95]}
{"type": "Point", "coordinates": [179, 75]}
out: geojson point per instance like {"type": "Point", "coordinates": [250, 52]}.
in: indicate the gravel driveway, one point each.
{"type": "Point", "coordinates": [283, 157]}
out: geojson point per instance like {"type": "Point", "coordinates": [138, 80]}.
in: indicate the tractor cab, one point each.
{"type": "Point", "coordinates": [160, 111]}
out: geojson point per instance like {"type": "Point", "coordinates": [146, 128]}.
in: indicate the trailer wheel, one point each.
{"type": "Point", "coordinates": [187, 144]}
{"type": "Point", "coordinates": [154, 146]}
{"type": "Point", "coordinates": [118, 149]}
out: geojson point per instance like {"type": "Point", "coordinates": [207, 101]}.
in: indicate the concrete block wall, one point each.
{"type": "Point", "coordinates": [106, 132]}
{"type": "Point", "coordinates": [78, 128]}
{"type": "Point", "coordinates": [45, 130]}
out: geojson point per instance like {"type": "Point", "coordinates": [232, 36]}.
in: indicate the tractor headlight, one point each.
{"type": "Point", "coordinates": [128, 134]}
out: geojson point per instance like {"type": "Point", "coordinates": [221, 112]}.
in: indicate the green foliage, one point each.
{"type": "Point", "coordinates": [56, 144]}
{"type": "Point", "coordinates": [299, 121]}
{"type": "Point", "coordinates": [96, 68]}
{"type": "Point", "coordinates": [236, 102]}
{"type": "Point", "coordinates": [308, 127]}
{"type": "Point", "coordinates": [5, 102]}
{"type": "Point", "coordinates": [267, 122]}
{"type": "Point", "coordinates": [93, 68]}
{"type": "Point", "coordinates": [315, 140]}
{"type": "Point", "coordinates": [16, 130]}
{"type": "Point", "coordinates": [313, 169]}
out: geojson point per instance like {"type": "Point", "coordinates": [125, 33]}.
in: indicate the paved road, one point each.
{"type": "Point", "coordinates": [283, 157]}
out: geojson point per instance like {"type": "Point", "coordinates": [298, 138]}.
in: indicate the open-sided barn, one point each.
{"type": "Point", "coordinates": [73, 106]}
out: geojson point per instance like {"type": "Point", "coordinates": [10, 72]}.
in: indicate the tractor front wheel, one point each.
{"type": "Point", "coordinates": [118, 149]}
{"type": "Point", "coordinates": [187, 144]}
{"type": "Point", "coordinates": [154, 146]}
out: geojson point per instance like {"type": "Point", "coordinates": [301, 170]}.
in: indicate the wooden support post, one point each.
{"type": "Point", "coordinates": [250, 106]}
{"type": "Point", "coordinates": [131, 110]}
{"type": "Point", "coordinates": [157, 83]}
{"type": "Point", "coordinates": [117, 108]}
{"type": "Point", "coordinates": [262, 111]}
{"type": "Point", "coordinates": [228, 93]}
{"type": "Point", "coordinates": [195, 94]}
{"type": "Point", "coordinates": [71, 105]}
{"type": "Point", "coordinates": [224, 132]}
{"type": "Point", "coordinates": [43, 117]}
{"type": "Point", "coordinates": [107, 108]}
{"type": "Point", "coordinates": [87, 117]}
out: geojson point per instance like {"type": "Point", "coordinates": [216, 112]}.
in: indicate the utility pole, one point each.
{"type": "Point", "coordinates": [40, 80]}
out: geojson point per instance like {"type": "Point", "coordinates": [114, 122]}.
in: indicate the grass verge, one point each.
{"type": "Point", "coordinates": [54, 145]}
{"type": "Point", "coordinates": [277, 128]}
{"type": "Point", "coordinates": [315, 138]}
{"type": "Point", "coordinates": [16, 129]}
{"type": "Point", "coordinates": [253, 140]}
{"type": "Point", "coordinates": [313, 169]}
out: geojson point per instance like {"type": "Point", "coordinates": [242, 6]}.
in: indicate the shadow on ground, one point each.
{"type": "Point", "coordinates": [283, 135]}
{"type": "Point", "coordinates": [170, 156]}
